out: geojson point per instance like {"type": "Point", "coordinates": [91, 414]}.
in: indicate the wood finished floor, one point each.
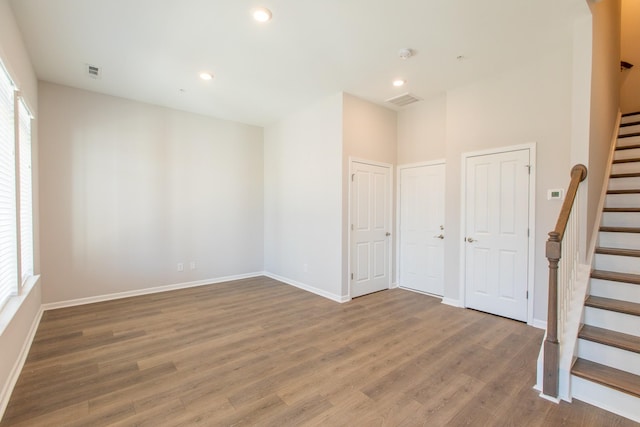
{"type": "Point", "coordinates": [257, 352]}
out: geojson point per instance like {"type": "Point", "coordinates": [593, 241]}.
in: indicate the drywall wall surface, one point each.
{"type": "Point", "coordinates": [370, 134]}
{"type": "Point", "coordinates": [629, 52]}
{"type": "Point", "coordinates": [422, 129]}
{"type": "Point", "coordinates": [527, 104]}
{"type": "Point", "coordinates": [303, 197]}
{"type": "Point", "coordinates": [605, 97]}
{"type": "Point", "coordinates": [16, 332]}
{"type": "Point", "coordinates": [130, 190]}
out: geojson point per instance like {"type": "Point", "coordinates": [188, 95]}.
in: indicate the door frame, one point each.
{"type": "Point", "coordinates": [532, 223]}
{"type": "Point", "coordinates": [389, 166]}
{"type": "Point", "coordinates": [396, 278]}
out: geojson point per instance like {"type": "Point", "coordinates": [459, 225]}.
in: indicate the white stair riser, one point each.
{"type": "Point", "coordinates": [606, 398]}
{"type": "Point", "coordinates": [625, 167]}
{"type": "Point", "coordinates": [620, 322]}
{"type": "Point", "coordinates": [617, 263]}
{"type": "Point", "coordinates": [631, 183]}
{"type": "Point", "coordinates": [609, 356]}
{"type": "Point", "coordinates": [619, 240]}
{"type": "Point", "coordinates": [615, 290]}
{"type": "Point", "coordinates": [622, 201]}
{"type": "Point", "coordinates": [631, 140]}
{"type": "Point", "coordinates": [626, 130]}
{"type": "Point", "coordinates": [632, 153]}
{"type": "Point", "coordinates": [630, 119]}
{"type": "Point", "coordinates": [621, 219]}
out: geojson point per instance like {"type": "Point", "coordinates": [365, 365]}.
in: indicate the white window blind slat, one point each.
{"type": "Point", "coordinates": [8, 221]}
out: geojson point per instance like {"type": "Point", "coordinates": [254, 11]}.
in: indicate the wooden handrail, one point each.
{"type": "Point", "coordinates": [553, 251]}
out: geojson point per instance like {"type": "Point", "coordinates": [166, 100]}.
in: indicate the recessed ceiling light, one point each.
{"type": "Point", "coordinates": [399, 82]}
{"type": "Point", "coordinates": [262, 14]}
{"type": "Point", "coordinates": [206, 76]}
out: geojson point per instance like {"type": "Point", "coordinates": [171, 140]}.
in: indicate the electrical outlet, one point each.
{"type": "Point", "coordinates": [192, 265]}
{"type": "Point", "coordinates": [180, 266]}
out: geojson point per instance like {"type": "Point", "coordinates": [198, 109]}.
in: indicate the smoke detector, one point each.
{"type": "Point", "coordinates": [405, 53]}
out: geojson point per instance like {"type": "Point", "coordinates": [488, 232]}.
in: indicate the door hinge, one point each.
{"type": "Point", "coordinates": [528, 168]}
{"type": "Point", "coordinates": [351, 227]}
{"type": "Point", "coordinates": [527, 294]}
{"type": "Point", "coordinates": [353, 176]}
{"type": "Point", "coordinates": [528, 232]}
{"type": "Point", "coordinates": [351, 276]}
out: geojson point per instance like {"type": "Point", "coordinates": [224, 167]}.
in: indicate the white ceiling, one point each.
{"type": "Point", "coordinates": [151, 49]}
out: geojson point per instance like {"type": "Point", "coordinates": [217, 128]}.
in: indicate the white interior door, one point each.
{"type": "Point", "coordinates": [422, 229]}
{"type": "Point", "coordinates": [371, 227]}
{"type": "Point", "coordinates": [496, 238]}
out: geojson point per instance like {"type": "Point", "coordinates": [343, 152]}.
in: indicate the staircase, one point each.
{"type": "Point", "coordinates": [606, 372]}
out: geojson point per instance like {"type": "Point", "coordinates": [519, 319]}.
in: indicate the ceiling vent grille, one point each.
{"type": "Point", "coordinates": [404, 99]}
{"type": "Point", "coordinates": [93, 71]}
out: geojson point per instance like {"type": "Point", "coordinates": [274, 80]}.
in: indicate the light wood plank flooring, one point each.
{"type": "Point", "coordinates": [257, 352]}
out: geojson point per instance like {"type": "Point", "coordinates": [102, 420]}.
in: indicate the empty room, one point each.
{"type": "Point", "coordinates": [346, 213]}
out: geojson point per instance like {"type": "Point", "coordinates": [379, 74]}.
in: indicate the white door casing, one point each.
{"type": "Point", "coordinates": [370, 228]}
{"type": "Point", "coordinates": [421, 228]}
{"type": "Point", "coordinates": [496, 220]}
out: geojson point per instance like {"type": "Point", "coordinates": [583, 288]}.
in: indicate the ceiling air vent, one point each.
{"type": "Point", "coordinates": [404, 99]}
{"type": "Point", "coordinates": [93, 71]}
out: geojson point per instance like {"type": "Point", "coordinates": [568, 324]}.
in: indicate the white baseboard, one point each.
{"type": "Point", "coordinates": [146, 291]}
{"type": "Point", "coordinates": [540, 324]}
{"type": "Point", "coordinates": [452, 302]}
{"type": "Point", "coordinates": [309, 288]}
{"type": "Point", "coordinates": [5, 395]}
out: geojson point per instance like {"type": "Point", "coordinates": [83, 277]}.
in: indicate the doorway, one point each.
{"type": "Point", "coordinates": [422, 229]}
{"type": "Point", "coordinates": [370, 233]}
{"type": "Point", "coordinates": [497, 220]}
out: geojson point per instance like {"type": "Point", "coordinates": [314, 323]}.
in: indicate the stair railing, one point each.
{"type": "Point", "coordinates": [562, 251]}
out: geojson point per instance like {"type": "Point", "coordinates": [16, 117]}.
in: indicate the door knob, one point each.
{"type": "Point", "coordinates": [388, 234]}
{"type": "Point", "coordinates": [439, 236]}
{"type": "Point", "coordinates": [471, 240]}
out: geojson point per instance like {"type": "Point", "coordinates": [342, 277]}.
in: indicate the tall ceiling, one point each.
{"type": "Point", "coordinates": [153, 50]}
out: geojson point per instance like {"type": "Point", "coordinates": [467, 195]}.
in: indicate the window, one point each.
{"type": "Point", "coordinates": [26, 198]}
{"type": "Point", "coordinates": [16, 217]}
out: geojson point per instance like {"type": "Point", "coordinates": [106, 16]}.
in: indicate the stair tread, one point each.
{"type": "Point", "coordinates": [610, 338]}
{"type": "Point", "coordinates": [625, 175]}
{"type": "Point", "coordinates": [618, 251]}
{"type": "Point", "coordinates": [628, 147]}
{"type": "Point", "coordinates": [624, 125]}
{"type": "Point", "coordinates": [629, 135]}
{"type": "Point", "coordinates": [616, 276]}
{"type": "Point", "coordinates": [607, 376]}
{"type": "Point", "coordinates": [629, 191]}
{"type": "Point", "coordinates": [631, 160]}
{"type": "Point", "coordinates": [620, 229]}
{"type": "Point", "coordinates": [619, 306]}
{"type": "Point", "coordinates": [621, 210]}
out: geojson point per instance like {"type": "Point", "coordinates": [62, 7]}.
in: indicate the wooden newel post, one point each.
{"type": "Point", "coordinates": [551, 345]}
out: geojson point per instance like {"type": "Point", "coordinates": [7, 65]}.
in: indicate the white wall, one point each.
{"type": "Point", "coordinates": [630, 90]}
{"type": "Point", "coordinates": [369, 133]}
{"type": "Point", "coordinates": [422, 130]}
{"type": "Point", "coordinates": [303, 197]}
{"type": "Point", "coordinates": [16, 330]}
{"type": "Point", "coordinates": [605, 97]}
{"type": "Point", "coordinates": [530, 103]}
{"type": "Point", "coordinates": [130, 190]}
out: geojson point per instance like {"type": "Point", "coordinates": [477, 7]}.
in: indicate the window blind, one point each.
{"type": "Point", "coordinates": [26, 198]}
{"type": "Point", "coordinates": [8, 225]}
